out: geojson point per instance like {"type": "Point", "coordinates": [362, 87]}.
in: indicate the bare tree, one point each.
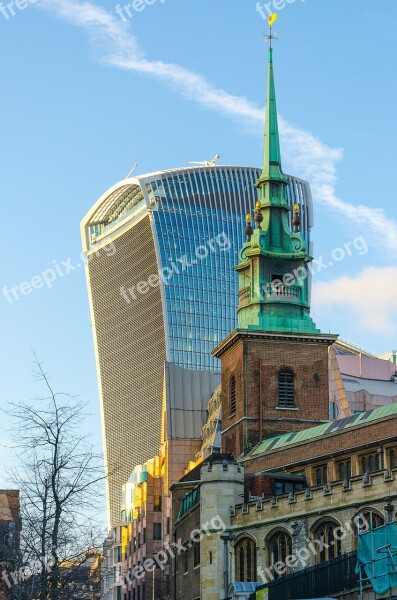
{"type": "Point", "coordinates": [59, 476]}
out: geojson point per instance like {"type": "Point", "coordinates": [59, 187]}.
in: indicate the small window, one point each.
{"type": "Point", "coordinates": [286, 389]}
{"type": "Point", "coordinates": [186, 560]}
{"type": "Point", "coordinates": [371, 463]}
{"type": "Point", "coordinates": [321, 475]}
{"type": "Point", "coordinates": [157, 503]}
{"type": "Point", "coordinates": [157, 531]}
{"type": "Point", "coordinates": [232, 395]}
{"type": "Point", "coordinates": [196, 554]}
{"type": "Point", "coordinates": [344, 470]}
{"type": "Point", "coordinates": [392, 459]}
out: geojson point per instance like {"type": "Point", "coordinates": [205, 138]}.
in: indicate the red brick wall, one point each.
{"type": "Point", "coordinates": [256, 364]}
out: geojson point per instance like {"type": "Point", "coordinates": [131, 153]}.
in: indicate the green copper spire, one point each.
{"type": "Point", "coordinates": [274, 267]}
{"type": "Point", "coordinates": [271, 168]}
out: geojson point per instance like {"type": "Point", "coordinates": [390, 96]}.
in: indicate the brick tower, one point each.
{"type": "Point", "coordinates": [275, 364]}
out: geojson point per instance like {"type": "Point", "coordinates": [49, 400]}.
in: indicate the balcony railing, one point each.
{"type": "Point", "coordinates": [292, 293]}
{"type": "Point", "coordinates": [272, 291]}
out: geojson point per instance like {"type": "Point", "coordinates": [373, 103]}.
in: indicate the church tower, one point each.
{"type": "Point", "coordinates": [275, 364]}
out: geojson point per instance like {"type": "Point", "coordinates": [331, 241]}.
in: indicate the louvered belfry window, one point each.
{"type": "Point", "coordinates": [232, 393]}
{"type": "Point", "coordinates": [286, 389]}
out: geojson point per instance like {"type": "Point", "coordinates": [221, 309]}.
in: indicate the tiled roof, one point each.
{"type": "Point", "coordinates": [305, 435]}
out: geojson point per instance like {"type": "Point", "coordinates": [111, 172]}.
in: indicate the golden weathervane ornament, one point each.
{"type": "Point", "coordinates": [271, 20]}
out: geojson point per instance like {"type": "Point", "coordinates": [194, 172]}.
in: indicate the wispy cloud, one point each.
{"type": "Point", "coordinates": [306, 155]}
{"type": "Point", "coordinates": [367, 301]}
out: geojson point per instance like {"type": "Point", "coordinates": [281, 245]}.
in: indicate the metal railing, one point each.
{"type": "Point", "coordinates": [320, 581]}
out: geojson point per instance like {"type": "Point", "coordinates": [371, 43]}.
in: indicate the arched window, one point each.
{"type": "Point", "coordinates": [321, 475]}
{"type": "Point", "coordinates": [368, 518]}
{"type": "Point", "coordinates": [344, 470]}
{"type": "Point", "coordinates": [232, 395]}
{"type": "Point", "coordinates": [371, 463]}
{"type": "Point", "coordinates": [373, 518]}
{"type": "Point", "coordinates": [245, 554]}
{"type": "Point", "coordinates": [286, 389]}
{"type": "Point", "coordinates": [280, 546]}
{"type": "Point", "coordinates": [329, 544]}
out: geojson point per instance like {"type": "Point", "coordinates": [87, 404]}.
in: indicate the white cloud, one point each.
{"type": "Point", "coordinates": [308, 156]}
{"type": "Point", "coordinates": [368, 300]}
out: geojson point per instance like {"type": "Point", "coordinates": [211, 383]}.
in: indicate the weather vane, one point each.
{"type": "Point", "coordinates": [271, 20]}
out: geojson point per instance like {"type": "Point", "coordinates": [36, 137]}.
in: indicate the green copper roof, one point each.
{"type": "Point", "coordinates": [312, 433]}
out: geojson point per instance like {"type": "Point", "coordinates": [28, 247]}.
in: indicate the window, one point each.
{"type": "Point", "coordinates": [371, 463]}
{"type": "Point", "coordinates": [344, 470]}
{"type": "Point", "coordinates": [368, 518]}
{"type": "Point", "coordinates": [280, 546]}
{"type": "Point", "coordinates": [157, 502]}
{"type": "Point", "coordinates": [196, 554]}
{"type": "Point", "coordinates": [321, 475]}
{"type": "Point", "coordinates": [287, 487]}
{"type": "Point", "coordinates": [232, 395]}
{"type": "Point", "coordinates": [329, 545]}
{"type": "Point", "coordinates": [392, 459]}
{"type": "Point", "coordinates": [245, 556]}
{"type": "Point", "coordinates": [333, 410]}
{"type": "Point", "coordinates": [286, 389]}
{"type": "Point", "coordinates": [373, 518]}
{"type": "Point", "coordinates": [157, 531]}
{"type": "Point", "coordinates": [186, 560]}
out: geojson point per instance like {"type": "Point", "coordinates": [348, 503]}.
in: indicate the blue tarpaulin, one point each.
{"type": "Point", "coordinates": [377, 555]}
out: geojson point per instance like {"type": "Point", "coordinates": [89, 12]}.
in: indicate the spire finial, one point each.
{"type": "Point", "coordinates": [272, 18]}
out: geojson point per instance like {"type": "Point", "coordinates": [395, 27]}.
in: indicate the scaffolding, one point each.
{"type": "Point", "coordinates": [377, 559]}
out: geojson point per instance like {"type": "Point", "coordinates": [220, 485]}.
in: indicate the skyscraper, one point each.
{"type": "Point", "coordinates": [160, 255]}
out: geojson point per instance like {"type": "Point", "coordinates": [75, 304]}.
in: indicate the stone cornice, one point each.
{"type": "Point", "coordinates": [248, 334]}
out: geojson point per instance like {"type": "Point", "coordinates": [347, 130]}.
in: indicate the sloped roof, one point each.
{"type": "Point", "coordinates": [374, 387]}
{"type": "Point", "coordinates": [288, 439]}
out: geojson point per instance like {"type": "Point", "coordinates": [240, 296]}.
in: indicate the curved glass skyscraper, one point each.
{"type": "Point", "coordinates": [160, 255]}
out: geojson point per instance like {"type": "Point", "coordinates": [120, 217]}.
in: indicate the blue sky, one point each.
{"type": "Point", "coordinates": [84, 95]}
